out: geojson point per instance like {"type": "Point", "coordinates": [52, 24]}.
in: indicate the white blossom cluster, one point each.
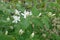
{"type": "Point", "coordinates": [17, 13]}
{"type": "Point", "coordinates": [16, 17]}
{"type": "Point", "coordinates": [25, 14]}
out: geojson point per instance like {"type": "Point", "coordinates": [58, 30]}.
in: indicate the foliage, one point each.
{"type": "Point", "coordinates": [42, 24]}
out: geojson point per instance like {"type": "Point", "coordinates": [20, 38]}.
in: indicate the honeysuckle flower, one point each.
{"type": "Point", "coordinates": [32, 35]}
{"type": "Point", "coordinates": [16, 19]}
{"type": "Point", "coordinates": [6, 32]}
{"type": "Point", "coordinates": [26, 13]}
{"type": "Point", "coordinates": [8, 19]}
{"type": "Point", "coordinates": [17, 12]}
{"type": "Point", "coordinates": [21, 31]}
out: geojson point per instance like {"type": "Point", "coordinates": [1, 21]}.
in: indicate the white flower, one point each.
{"type": "Point", "coordinates": [17, 12]}
{"type": "Point", "coordinates": [21, 31]}
{"type": "Point", "coordinates": [50, 14]}
{"type": "Point", "coordinates": [8, 19]}
{"type": "Point", "coordinates": [16, 19]}
{"type": "Point", "coordinates": [6, 32]}
{"type": "Point", "coordinates": [26, 13]}
{"type": "Point", "coordinates": [32, 35]}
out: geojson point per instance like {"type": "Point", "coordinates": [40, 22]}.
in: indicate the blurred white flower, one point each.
{"type": "Point", "coordinates": [6, 32]}
{"type": "Point", "coordinates": [39, 14]}
{"type": "Point", "coordinates": [16, 19]}
{"type": "Point", "coordinates": [50, 14]}
{"type": "Point", "coordinates": [21, 31]}
{"type": "Point", "coordinates": [26, 13]}
{"type": "Point", "coordinates": [17, 12]}
{"type": "Point", "coordinates": [53, 14]}
{"type": "Point", "coordinates": [8, 19]}
{"type": "Point", "coordinates": [11, 27]}
{"type": "Point", "coordinates": [32, 35]}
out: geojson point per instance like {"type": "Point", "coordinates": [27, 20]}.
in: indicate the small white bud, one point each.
{"type": "Point", "coordinates": [21, 31]}
{"type": "Point", "coordinates": [8, 19]}
{"type": "Point", "coordinates": [32, 35]}
{"type": "Point", "coordinates": [50, 14]}
{"type": "Point", "coordinates": [39, 14]}
{"type": "Point", "coordinates": [11, 27]}
{"type": "Point", "coordinates": [6, 32]}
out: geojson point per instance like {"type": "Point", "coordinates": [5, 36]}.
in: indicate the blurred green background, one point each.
{"type": "Point", "coordinates": [43, 27]}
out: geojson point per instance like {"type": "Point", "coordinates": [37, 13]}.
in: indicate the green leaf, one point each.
{"type": "Point", "coordinates": [46, 21]}
{"type": "Point", "coordinates": [6, 37]}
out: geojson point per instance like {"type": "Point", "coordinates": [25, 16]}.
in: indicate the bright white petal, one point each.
{"type": "Point", "coordinates": [30, 13]}
{"type": "Point", "coordinates": [39, 14]}
{"type": "Point", "coordinates": [32, 35]}
{"type": "Point", "coordinates": [16, 19]}
{"type": "Point", "coordinates": [6, 32]}
{"type": "Point", "coordinates": [17, 12]}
